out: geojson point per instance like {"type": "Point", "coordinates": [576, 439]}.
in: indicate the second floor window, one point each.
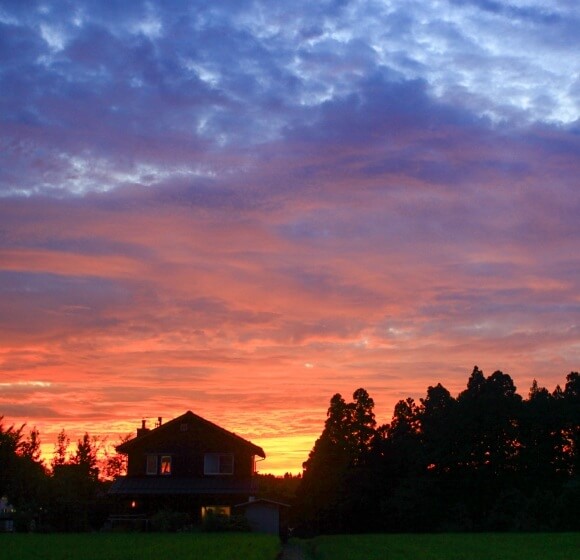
{"type": "Point", "coordinates": [166, 464]}
{"type": "Point", "coordinates": [158, 464]}
{"type": "Point", "coordinates": [218, 463]}
{"type": "Point", "coordinates": [151, 464]}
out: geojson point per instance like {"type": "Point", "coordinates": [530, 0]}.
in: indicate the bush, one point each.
{"type": "Point", "coordinates": [213, 522]}
{"type": "Point", "coordinates": [167, 521]}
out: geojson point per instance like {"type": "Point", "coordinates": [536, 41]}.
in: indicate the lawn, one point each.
{"type": "Point", "coordinates": [448, 546]}
{"type": "Point", "coordinates": [139, 546]}
{"type": "Point", "coordinates": [247, 546]}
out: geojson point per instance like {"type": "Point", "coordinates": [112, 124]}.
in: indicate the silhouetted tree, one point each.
{"type": "Point", "coordinates": [60, 450]}
{"type": "Point", "coordinates": [85, 457]}
{"type": "Point", "coordinates": [115, 464]}
{"type": "Point", "coordinates": [30, 447]}
{"type": "Point", "coordinates": [362, 426]}
{"type": "Point", "coordinates": [486, 460]}
{"type": "Point", "coordinates": [22, 476]}
{"type": "Point", "coordinates": [489, 410]}
{"type": "Point", "coordinates": [542, 452]}
{"type": "Point", "coordinates": [9, 443]}
{"type": "Point", "coordinates": [438, 421]}
{"type": "Point", "coordinates": [335, 469]}
{"type": "Point", "coordinates": [401, 451]}
{"type": "Point", "coordinates": [77, 503]}
{"type": "Point", "coordinates": [571, 405]}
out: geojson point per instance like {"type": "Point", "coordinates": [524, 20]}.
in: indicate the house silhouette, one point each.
{"type": "Point", "coordinates": [188, 465]}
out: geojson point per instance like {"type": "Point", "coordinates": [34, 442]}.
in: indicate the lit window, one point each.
{"type": "Point", "coordinates": [165, 464]}
{"type": "Point", "coordinates": [215, 510]}
{"type": "Point", "coordinates": [151, 464]}
{"type": "Point", "coordinates": [218, 463]}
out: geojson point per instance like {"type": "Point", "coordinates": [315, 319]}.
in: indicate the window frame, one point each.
{"type": "Point", "coordinates": [222, 461]}
{"type": "Point", "coordinates": [152, 460]}
{"type": "Point", "coordinates": [225, 511]}
{"type": "Point", "coordinates": [154, 465]}
{"type": "Point", "coordinates": [165, 460]}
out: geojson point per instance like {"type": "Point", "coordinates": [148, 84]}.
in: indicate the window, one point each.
{"type": "Point", "coordinates": [158, 464]}
{"type": "Point", "coordinates": [218, 463]}
{"type": "Point", "coordinates": [151, 464]}
{"type": "Point", "coordinates": [216, 510]}
{"type": "Point", "coordinates": [166, 464]}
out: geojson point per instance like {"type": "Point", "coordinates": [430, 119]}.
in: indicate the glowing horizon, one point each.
{"type": "Point", "coordinates": [243, 209]}
{"type": "Point", "coordinates": [284, 453]}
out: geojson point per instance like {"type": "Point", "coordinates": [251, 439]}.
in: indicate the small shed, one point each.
{"type": "Point", "coordinates": [265, 516]}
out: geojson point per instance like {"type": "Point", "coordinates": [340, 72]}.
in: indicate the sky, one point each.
{"type": "Point", "coordinates": [241, 208]}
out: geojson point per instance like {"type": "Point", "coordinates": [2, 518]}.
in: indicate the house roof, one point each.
{"type": "Point", "coordinates": [263, 501]}
{"type": "Point", "coordinates": [127, 485]}
{"type": "Point", "coordinates": [189, 417]}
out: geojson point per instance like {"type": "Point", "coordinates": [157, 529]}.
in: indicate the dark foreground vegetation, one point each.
{"type": "Point", "coordinates": [487, 460]}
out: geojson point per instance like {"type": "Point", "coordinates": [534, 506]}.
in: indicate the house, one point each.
{"type": "Point", "coordinates": [188, 465]}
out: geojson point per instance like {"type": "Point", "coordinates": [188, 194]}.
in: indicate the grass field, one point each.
{"type": "Point", "coordinates": [139, 546]}
{"type": "Point", "coordinates": [448, 546]}
{"type": "Point", "coordinates": [246, 546]}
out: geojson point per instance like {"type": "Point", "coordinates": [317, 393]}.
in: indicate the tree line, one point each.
{"type": "Point", "coordinates": [486, 460]}
{"type": "Point", "coordinates": [67, 495]}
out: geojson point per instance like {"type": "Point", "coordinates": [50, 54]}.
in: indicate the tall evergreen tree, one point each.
{"type": "Point", "coordinates": [438, 419]}
{"type": "Point", "coordinates": [362, 426]}
{"type": "Point", "coordinates": [85, 457]}
{"type": "Point", "coordinates": [325, 497]}
{"type": "Point", "coordinates": [30, 447]}
{"type": "Point", "coordinates": [60, 454]}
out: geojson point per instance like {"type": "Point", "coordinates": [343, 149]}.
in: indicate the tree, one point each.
{"type": "Point", "coordinates": [438, 420]}
{"type": "Point", "coordinates": [476, 382]}
{"type": "Point", "coordinates": [85, 457]}
{"type": "Point", "coordinates": [486, 460]}
{"type": "Point", "coordinates": [571, 409]}
{"type": "Point", "coordinates": [362, 426]}
{"type": "Point", "coordinates": [76, 504]}
{"type": "Point", "coordinates": [541, 437]}
{"type": "Point", "coordinates": [9, 444]}
{"type": "Point", "coordinates": [489, 410]}
{"type": "Point", "coordinates": [406, 420]}
{"type": "Point", "coordinates": [115, 464]}
{"type": "Point", "coordinates": [22, 476]}
{"type": "Point", "coordinates": [30, 448]}
{"type": "Point", "coordinates": [332, 472]}
{"type": "Point", "coordinates": [60, 450]}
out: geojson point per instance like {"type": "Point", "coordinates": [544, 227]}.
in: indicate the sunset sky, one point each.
{"type": "Point", "coordinates": [240, 208]}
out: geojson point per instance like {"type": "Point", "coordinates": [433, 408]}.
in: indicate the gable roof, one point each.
{"type": "Point", "coordinates": [188, 417]}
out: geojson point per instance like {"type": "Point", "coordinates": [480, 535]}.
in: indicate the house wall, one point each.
{"type": "Point", "coordinates": [263, 518]}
